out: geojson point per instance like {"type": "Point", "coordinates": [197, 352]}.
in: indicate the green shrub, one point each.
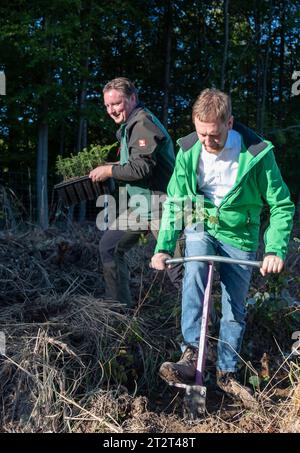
{"type": "Point", "coordinates": [83, 162]}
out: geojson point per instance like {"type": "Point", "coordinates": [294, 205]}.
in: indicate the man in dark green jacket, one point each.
{"type": "Point", "coordinates": [146, 164]}
{"type": "Point", "coordinates": [234, 172]}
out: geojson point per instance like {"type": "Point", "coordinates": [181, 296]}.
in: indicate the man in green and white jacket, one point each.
{"type": "Point", "coordinates": [235, 171]}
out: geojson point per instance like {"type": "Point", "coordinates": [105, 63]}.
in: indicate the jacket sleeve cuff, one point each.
{"type": "Point", "coordinates": [164, 251]}
{"type": "Point", "coordinates": [115, 171]}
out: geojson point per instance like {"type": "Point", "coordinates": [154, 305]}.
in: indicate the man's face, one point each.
{"type": "Point", "coordinates": [118, 106]}
{"type": "Point", "coordinates": [213, 133]}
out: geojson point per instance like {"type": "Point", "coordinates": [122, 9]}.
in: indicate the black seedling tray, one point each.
{"type": "Point", "coordinates": [82, 189]}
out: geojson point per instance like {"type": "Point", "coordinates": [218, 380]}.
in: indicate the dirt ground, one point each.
{"type": "Point", "coordinates": [74, 362]}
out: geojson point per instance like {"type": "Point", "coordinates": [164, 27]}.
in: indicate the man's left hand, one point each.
{"type": "Point", "coordinates": [271, 263]}
{"type": "Point", "coordinates": [101, 173]}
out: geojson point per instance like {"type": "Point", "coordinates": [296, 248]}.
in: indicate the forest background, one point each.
{"type": "Point", "coordinates": [57, 55]}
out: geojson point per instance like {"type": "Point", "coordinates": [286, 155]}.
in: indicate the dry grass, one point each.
{"type": "Point", "coordinates": [52, 367]}
{"type": "Point", "coordinates": [77, 363]}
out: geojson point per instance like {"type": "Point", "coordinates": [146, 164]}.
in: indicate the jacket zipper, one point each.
{"type": "Point", "coordinates": [237, 187]}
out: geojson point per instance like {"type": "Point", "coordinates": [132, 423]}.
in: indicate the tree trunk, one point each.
{"type": "Point", "coordinates": [84, 139]}
{"type": "Point", "coordinates": [265, 74]}
{"type": "Point", "coordinates": [258, 64]}
{"type": "Point", "coordinates": [62, 139]}
{"type": "Point", "coordinates": [203, 73]}
{"type": "Point", "coordinates": [41, 176]}
{"type": "Point", "coordinates": [264, 91]}
{"type": "Point", "coordinates": [168, 37]}
{"type": "Point", "coordinates": [270, 81]}
{"type": "Point", "coordinates": [226, 41]}
{"type": "Point", "coordinates": [42, 153]}
{"type": "Point", "coordinates": [281, 61]}
{"type": "Point", "coordinates": [82, 120]}
{"type": "Point", "coordinates": [82, 130]}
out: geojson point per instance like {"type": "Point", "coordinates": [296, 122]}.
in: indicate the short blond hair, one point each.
{"type": "Point", "coordinates": [211, 105]}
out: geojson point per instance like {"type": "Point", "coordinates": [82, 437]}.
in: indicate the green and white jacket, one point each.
{"type": "Point", "coordinates": [236, 220]}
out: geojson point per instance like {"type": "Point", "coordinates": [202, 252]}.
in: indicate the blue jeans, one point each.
{"type": "Point", "coordinates": [235, 280]}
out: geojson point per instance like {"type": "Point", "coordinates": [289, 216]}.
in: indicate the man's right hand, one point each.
{"type": "Point", "coordinates": [158, 261]}
{"type": "Point", "coordinates": [101, 173]}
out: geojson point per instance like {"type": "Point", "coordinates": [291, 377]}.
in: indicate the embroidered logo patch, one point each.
{"type": "Point", "coordinates": [142, 142]}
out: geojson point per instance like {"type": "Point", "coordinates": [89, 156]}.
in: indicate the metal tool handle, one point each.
{"type": "Point", "coordinates": [214, 258]}
{"type": "Point", "coordinates": [201, 359]}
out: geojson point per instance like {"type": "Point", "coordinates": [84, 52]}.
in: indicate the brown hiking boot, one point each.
{"type": "Point", "coordinates": [227, 382]}
{"type": "Point", "coordinates": [184, 370]}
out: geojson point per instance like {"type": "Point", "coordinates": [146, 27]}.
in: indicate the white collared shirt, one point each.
{"type": "Point", "coordinates": [217, 173]}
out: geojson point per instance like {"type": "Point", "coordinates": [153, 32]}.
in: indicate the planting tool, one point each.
{"type": "Point", "coordinates": [195, 395]}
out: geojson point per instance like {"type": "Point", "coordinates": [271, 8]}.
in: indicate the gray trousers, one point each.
{"type": "Point", "coordinates": [113, 247]}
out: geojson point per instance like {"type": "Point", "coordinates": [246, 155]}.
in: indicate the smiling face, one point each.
{"type": "Point", "coordinates": [118, 106]}
{"type": "Point", "coordinates": [213, 133]}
